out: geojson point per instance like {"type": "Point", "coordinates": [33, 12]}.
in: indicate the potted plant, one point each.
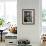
{"type": "Point", "coordinates": [1, 22]}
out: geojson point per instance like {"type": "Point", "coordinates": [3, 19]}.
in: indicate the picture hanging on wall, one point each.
{"type": "Point", "coordinates": [28, 16]}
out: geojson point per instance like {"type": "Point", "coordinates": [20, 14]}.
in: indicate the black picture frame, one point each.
{"type": "Point", "coordinates": [28, 16]}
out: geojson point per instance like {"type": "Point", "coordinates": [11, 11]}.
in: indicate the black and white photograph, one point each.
{"type": "Point", "coordinates": [28, 16]}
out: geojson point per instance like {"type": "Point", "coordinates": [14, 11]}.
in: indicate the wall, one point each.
{"type": "Point", "coordinates": [31, 32]}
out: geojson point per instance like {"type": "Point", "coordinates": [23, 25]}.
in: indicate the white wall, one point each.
{"type": "Point", "coordinates": [31, 32]}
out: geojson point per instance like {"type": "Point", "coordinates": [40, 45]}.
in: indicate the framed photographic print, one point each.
{"type": "Point", "coordinates": [28, 16]}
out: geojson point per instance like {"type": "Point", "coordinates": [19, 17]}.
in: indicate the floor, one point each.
{"type": "Point", "coordinates": [2, 43]}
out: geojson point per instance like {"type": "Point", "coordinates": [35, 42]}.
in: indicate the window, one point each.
{"type": "Point", "coordinates": [43, 12]}
{"type": "Point", "coordinates": [44, 16]}
{"type": "Point", "coordinates": [8, 11]}
{"type": "Point", "coordinates": [11, 11]}
{"type": "Point", "coordinates": [1, 9]}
